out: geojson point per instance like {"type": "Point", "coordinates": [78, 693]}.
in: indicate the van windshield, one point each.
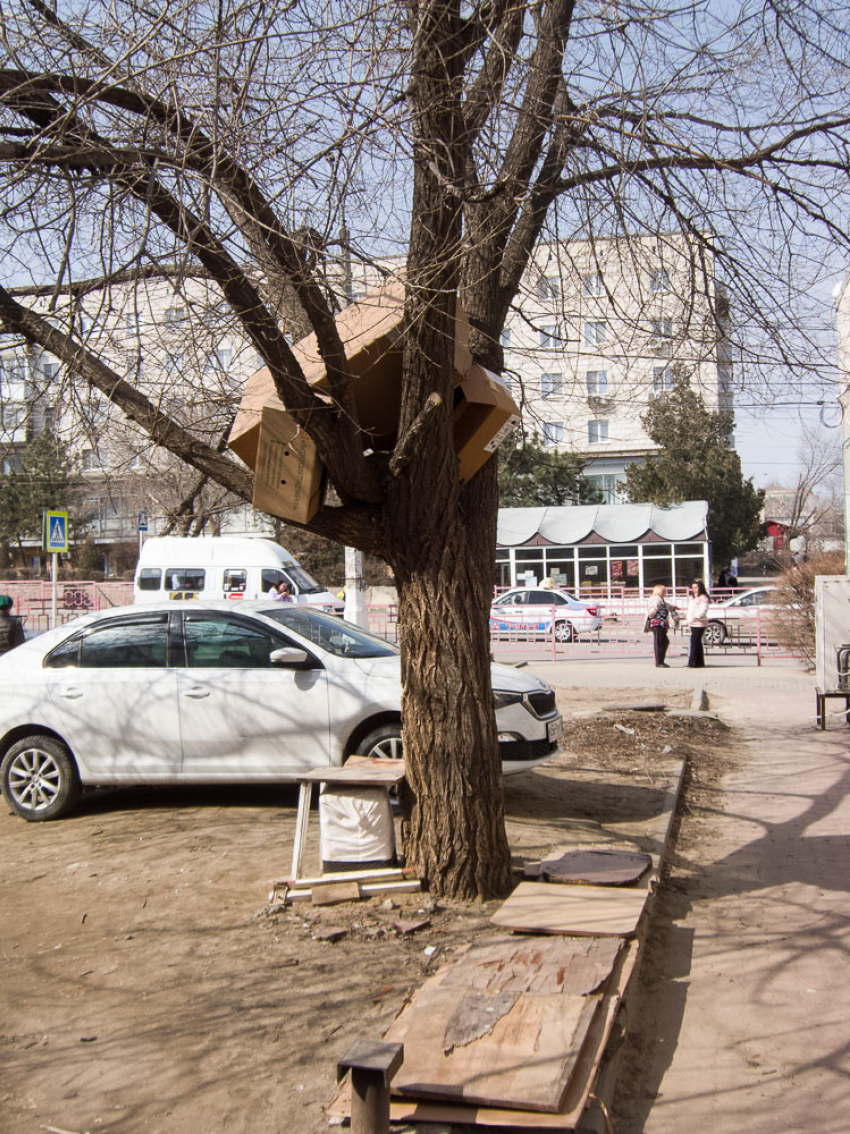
{"type": "Point", "coordinates": [305, 584]}
{"type": "Point", "coordinates": [332, 634]}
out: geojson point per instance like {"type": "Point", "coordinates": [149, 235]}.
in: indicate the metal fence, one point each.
{"type": "Point", "coordinates": [756, 633]}
{"type": "Point", "coordinates": [33, 599]}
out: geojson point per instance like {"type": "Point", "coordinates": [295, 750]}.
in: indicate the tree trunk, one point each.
{"type": "Point", "coordinates": [456, 836]}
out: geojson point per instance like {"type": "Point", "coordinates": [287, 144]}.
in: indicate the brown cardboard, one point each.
{"type": "Point", "coordinates": [484, 415]}
{"type": "Point", "coordinates": [289, 478]}
{"type": "Point", "coordinates": [371, 333]}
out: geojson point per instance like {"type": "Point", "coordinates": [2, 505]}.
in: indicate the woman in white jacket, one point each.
{"type": "Point", "coordinates": [697, 617]}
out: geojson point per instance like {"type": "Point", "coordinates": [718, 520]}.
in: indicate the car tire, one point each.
{"type": "Point", "coordinates": [40, 779]}
{"type": "Point", "coordinates": [382, 743]}
{"type": "Point", "coordinates": [715, 634]}
{"type": "Point", "coordinates": [564, 632]}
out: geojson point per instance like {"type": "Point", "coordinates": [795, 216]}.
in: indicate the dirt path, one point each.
{"type": "Point", "coordinates": [148, 989]}
{"type": "Point", "coordinates": [744, 1006]}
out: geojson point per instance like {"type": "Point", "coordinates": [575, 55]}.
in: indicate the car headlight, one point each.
{"type": "Point", "coordinates": [501, 698]}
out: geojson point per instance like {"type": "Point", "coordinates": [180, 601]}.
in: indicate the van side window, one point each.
{"type": "Point", "coordinates": [184, 579]}
{"type": "Point", "coordinates": [235, 580]}
{"type": "Point", "coordinates": [269, 577]}
{"type": "Point", "coordinates": [150, 579]}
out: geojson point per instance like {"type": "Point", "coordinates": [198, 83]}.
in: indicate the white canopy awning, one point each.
{"type": "Point", "coordinates": [613, 523]}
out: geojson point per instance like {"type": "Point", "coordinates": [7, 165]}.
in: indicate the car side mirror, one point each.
{"type": "Point", "coordinates": [288, 655]}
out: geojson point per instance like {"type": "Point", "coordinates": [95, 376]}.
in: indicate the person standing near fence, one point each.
{"type": "Point", "coordinates": [11, 627]}
{"type": "Point", "coordinates": [658, 615]}
{"type": "Point", "coordinates": [697, 620]}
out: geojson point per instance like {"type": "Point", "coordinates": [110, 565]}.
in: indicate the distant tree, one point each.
{"type": "Point", "coordinates": [43, 480]}
{"type": "Point", "coordinates": [531, 476]}
{"type": "Point", "coordinates": [695, 462]}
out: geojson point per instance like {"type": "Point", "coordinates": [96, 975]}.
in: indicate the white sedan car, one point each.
{"type": "Point", "coordinates": [738, 616]}
{"type": "Point", "coordinates": [204, 693]}
{"type": "Point", "coordinates": [530, 612]}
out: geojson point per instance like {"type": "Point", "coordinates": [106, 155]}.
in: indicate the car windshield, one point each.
{"type": "Point", "coordinates": [305, 583]}
{"type": "Point", "coordinates": [332, 634]}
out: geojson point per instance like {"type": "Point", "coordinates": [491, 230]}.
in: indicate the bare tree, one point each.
{"type": "Point", "coordinates": [237, 140]}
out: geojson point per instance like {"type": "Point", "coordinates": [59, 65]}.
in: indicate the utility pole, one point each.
{"type": "Point", "coordinates": [356, 610]}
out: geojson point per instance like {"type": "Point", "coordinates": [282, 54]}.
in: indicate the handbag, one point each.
{"type": "Point", "coordinates": [646, 626]}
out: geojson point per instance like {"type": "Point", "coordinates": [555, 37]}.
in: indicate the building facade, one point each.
{"type": "Point", "coordinates": [596, 336]}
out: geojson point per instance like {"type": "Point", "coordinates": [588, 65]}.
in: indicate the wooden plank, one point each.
{"type": "Point", "coordinates": [362, 771]}
{"type": "Point", "coordinates": [539, 907]}
{"type": "Point", "coordinates": [381, 874]}
{"type": "Point", "coordinates": [504, 1025]}
{"type": "Point", "coordinates": [367, 890]}
{"type": "Point", "coordinates": [331, 892]}
{"type": "Point", "coordinates": [575, 1100]}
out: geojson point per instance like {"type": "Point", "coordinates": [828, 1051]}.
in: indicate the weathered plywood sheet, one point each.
{"type": "Point", "coordinates": [504, 1025]}
{"type": "Point", "coordinates": [574, 1102]}
{"type": "Point", "coordinates": [538, 907]}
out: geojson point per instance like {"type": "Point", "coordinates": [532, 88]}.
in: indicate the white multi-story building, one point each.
{"type": "Point", "coordinates": [596, 335]}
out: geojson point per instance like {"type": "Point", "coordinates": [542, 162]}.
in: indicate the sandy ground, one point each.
{"type": "Point", "coordinates": [148, 986]}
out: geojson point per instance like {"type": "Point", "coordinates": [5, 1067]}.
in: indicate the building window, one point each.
{"type": "Point", "coordinates": [660, 280]}
{"type": "Point", "coordinates": [595, 332]}
{"type": "Point", "coordinates": [662, 328]}
{"type": "Point", "coordinates": [551, 385]}
{"type": "Point", "coordinates": [10, 465]}
{"type": "Point", "coordinates": [549, 287]}
{"type": "Point", "coordinates": [91, 459]}
{"type": "Point", "coordinates": [505, 340]}
{"type": "Point", "coordinates": [594, 284]}
{"type": "Point", "coordinates": [175, 315]}
{"type": "Point", "coordinates": [50, 369]}
{"type": "Point", "coordinates": [597, 431]}
{"type": "Point", "coordinates": [133, 323]}
{"type": "Point", "coordinates": [662, 380]}
{"type": "Point", "coordinates": [549, 337]}
{"type": "Point", "coordinates": [608, 486]}
{"type": "Point", "coordinates": [553, 433]}
{"type": "Point", "coordinates": [219, 360]}
{"type": "Point", "coordinates": [84, 323]}
{"type": "Point", "coordinates": [724, 381]}
{"type": "Point", "coordinates": [597, 383]}
{"type": "Point", "coordinates": [14, 368]}
{"type": "Point", "coordinates": [174, 363]}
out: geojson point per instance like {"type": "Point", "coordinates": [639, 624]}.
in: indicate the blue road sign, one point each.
{"type": "Point", "coordinates": [142, 525]}
{"type": "Point", "coordinates": [56, 531]}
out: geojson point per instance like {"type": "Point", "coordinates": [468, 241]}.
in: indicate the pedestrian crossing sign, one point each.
{"type": "Point", "coordinates": [55, 531]}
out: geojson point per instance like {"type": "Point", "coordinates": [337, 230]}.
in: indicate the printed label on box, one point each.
{"type": "Point", "coordinates": [506, 430]}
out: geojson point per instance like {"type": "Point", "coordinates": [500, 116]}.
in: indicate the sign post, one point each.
{"type": "Point", "coordinates": [141, 527]}
{"type": "Point", "coordinates": [54, 540]}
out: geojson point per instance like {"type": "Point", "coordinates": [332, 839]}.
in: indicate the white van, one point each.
{"type": "Point", "coordinates": [223, 567]}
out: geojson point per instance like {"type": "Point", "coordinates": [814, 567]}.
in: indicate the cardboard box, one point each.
{"type": "Point", "coordinates": [289, 479]}
{"type": "Point", "coordinates": [371, 332]}
{"type": "Point", "coordinates": [484, 415]}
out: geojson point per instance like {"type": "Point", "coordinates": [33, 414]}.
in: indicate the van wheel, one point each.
{"type": "Point", "coordinates": [382, 743]}
{"type": "Point", "coordinates": [40, 779]}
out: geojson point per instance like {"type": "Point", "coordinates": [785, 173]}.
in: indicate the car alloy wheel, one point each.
{"type": "Point", "coordinates": [383, 743]}
{"type": "Point", "coordinates": [715, 634]}
{"type": "Point", "coordinates": [40, 779]}
{"type": "Point", "coordinates": [564, 632]}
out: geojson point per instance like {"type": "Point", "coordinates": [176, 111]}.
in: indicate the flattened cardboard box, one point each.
{"type": "Point", "coordinates": [371, 332]}
{"type": "Point", "coordinates": [484, 415]}
{"type": "Point", "coordinates": [289, 479]}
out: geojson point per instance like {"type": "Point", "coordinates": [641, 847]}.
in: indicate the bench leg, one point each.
{"type": "Point", "coordinates": [305, 797]}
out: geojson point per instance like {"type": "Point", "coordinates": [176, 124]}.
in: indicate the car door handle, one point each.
{"type": "Point", "coordinates": [71, 694]}
{"type": "Point", "coordinates": [197, 692]}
